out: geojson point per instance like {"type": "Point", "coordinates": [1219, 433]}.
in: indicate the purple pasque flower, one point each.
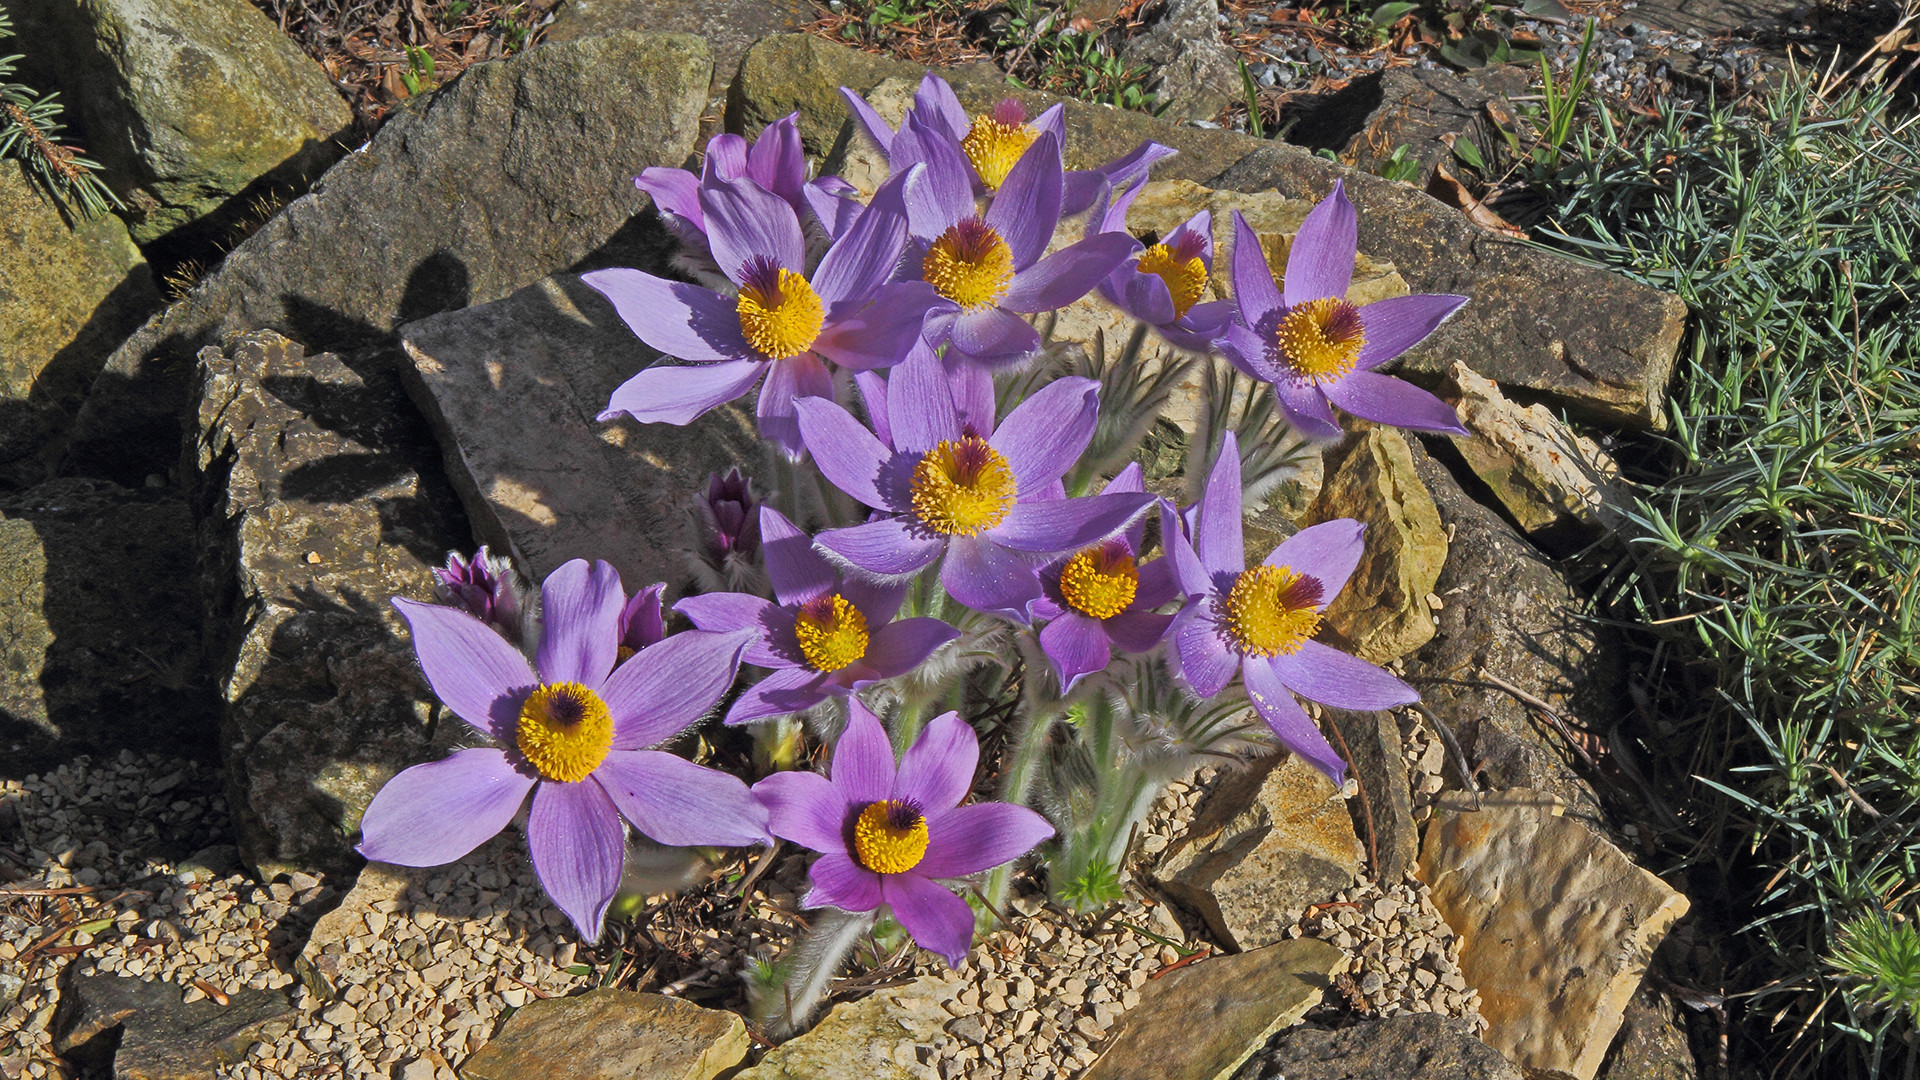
{"type": "Point", "coordinates": [885, 835]}
{"type": "Point", "coordinates": [988, 270]}
{"type": "Point", "coordinates": [1100, 597]}
{"type": "Point", "coordinates": [486, 587]}
{"type": "Point", "coordinates": [1261, 621]}
{"type": "Point", "coordinates": [820, 635]}
{"type": "Point", "coordinates": [990, 502]}
{"type": "Point", "coordinates": [643, 622]}
{"type": "Point", "coordinates": [782, 325]}
{"type": "Point", "coordinates": [570, 729]}
{"type": "Point", "coordinates": [993, 141]}
{"type": "Point", "coordinates": [776, 161]}
{"type": "Point", "coordinates": [1315, 347]}
{"type": "Point", "coordinates": [1163, 288]}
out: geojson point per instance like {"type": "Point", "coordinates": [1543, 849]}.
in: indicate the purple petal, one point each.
{"type": "Point", "coordinates": [943, 194]}
{"type": "Point", "coordinates": [968, 839]}
{"type": "Point", "coordinates": [1137, 631]}
{"type": "Point", "coordinates": [674, 191]}
{"type": "Point", "coordinates": [726, 159]}
{"type": "Point", "coordinates": [1398, 323]}
{"type": "Point", "coordinates": [868, 120]}
{"type": "Point", "coordinates": [1327, 552]}
{"type": "Point", "coordinates": [1306, 408]}
{"type": "Point", "coordinates": [782, 693]}
{"type": "Point", "coordinates": [642, 621]}
{"type": "Point", "coordinates": [797, 571]}
{"type": "Point", "coordinates": [1200, 227]}
{"type": "Point", "coordinates": [1048, 528]}
{"type": "Point", "coordinates": [680, 320]}
{"type": "Point", "coordinates": [1206, 663]}
{"type": "Point", "coordinates": [879, 333]}
{"type": "Point", "coordinates": [934, 102]}
{"type": "Point", "coordinates": [1289, 721]}
{"type": "Point", "coordinates": [1120, 172]}
{"type": "Point", "coordinates": [580, 620]}
{"type": "Point", "coordinates": [873, 395]}
{"type": "Point", "coordinates": [1077, 645]}
{"type": "Point", "coordinates": [579, 848]}
{"type": "Point", "coordinates": [1217, 536]}
{"type": "Point", "coordinates": [1320, 263]}
{"type": "Point", "coordinates": [776, 162]}
{"type": "Point", "coordinates": [936, 772]}
{"type": "Point", "coordinates": [972, 389]}
{"type": "Point", "coordinates": [862, 758]}
{"type": "Point", "coordinates": [993, 336]}
{"type": "Point", "coordinates": [840, 882]}
{"type": "Point", "coordinates": [1324, 674]}
{"type": "Point", "coordinates": [1044, 435]}
{"type": "Point", "coordinates": [1026, 209]}
{"type": "Point", "coordinates": [1253, 287]}
{"type": "Point", "coordinates": [682, 804]}
{"type": "Point", "coordinates": [664, 688]}
{"type": "Point", "coordinates": [436, 813]}
{"type": "Point", "coordinates": [1383, 399]}
{"type": "Point", "coordinates": [1052, 120]}
{"type": "Point", "coordinates": [845, 452]}
{"type": "Point", "coordinates": [670, 394]}
{"type": "Point", "coordinates": [919, 398]}
{"type": "Point", "coordinates": [796, 377]}
{"type": "Point", "coordinates": [471, 668]}
{"type": "Point", "coordinates": [1068, 274]}
{"type": "Point", "coordinates": [899, 647]}
{"type": "Point", "coordinates": [860, 261]}
{"type": "Point", "coordinates": [726, 613]}
{"type": "Point", "coordinates": [1148, 299]}
{"type": "Point", "coordinates": [988, 578]}
{"type": "Point", "coordinates": [1247, 351]}
{"type": "Point", "coordinates": [877, 600]}
{"type": "Point", "coordinates": [939, 921]}
{"type": "Point", "coordinates": [889, 547]}
{"type": "Point", "coordinates": [745, 221]}
{"type": "Point", "coordinates": [837, 212]}
{"type": "Point", "coordinates": [806, 808]}
{"type": "Point", "coordinates": [1130, 481]}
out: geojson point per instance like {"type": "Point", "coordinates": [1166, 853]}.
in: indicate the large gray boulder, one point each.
{"type": "Point", "coordinates": [516, 170]}
{"type": "Point", "coordinates": [191, 101]}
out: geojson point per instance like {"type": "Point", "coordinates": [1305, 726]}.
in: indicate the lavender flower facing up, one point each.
{"type": "Point", "coordinates": [1164, 286]}
{"type": "Point", "coordinates": [822, 636]}
{"type": "Point", "coordinates": [1316, 348]}
{"type": "Point", "coordinates": [886, 834]}
{"type": "Point", "coordinates": [569, 729]}
{"type": "Point", "coordinates": [1261, 621]}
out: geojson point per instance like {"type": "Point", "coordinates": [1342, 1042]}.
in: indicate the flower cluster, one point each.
{"type": "Point", "coordinates": [893, 347]}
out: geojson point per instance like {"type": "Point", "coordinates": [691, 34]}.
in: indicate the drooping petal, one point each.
{"type": "Point", "coordinates": [1051, 528]}
{"type": "Point", "coordinates": [578, 847]}
{"type": "Point", "coordinates": [1384, 399]}
{"type": "Point", "coordinates": [1077, 645]}
{"type": "Point", "coordinates": [1398, 323]}
{"type": "Point", "coordinates": [989, 578]}
{"type": "Point", "coordinates": [1206, 662]}
{"type": "Point", "coordinates": [682, 804]}
{"type": "Point", "coordinates": [1216, 537]}
{"type": "Point", "coordinates": [1327, 552]}
{"type": "Point", "coordinates": [936, 772]}
{"type": "Point", "coordinates": [1026, 209]}
{"type": "Point", "coordinates": [993, 336]}
{"type": "Point", "coordinates": [1325, 674]}
{"type": "Point", "coordinates": [1320, 263]}
{"type": "Point", "coordinates": [746, 221]}
{"type": "Point", "coordinates": [1288, 720]}
{"type": "Point", "coordinates": [862, 757]}
{"type": "Point", "coordinates": [1083, 188]}
{"type": "Point", "coordinates": [1253, 287]}
{"type": "Point", "coordinates": [782, 693]}
{"type": "Point", "coordinates": [683, 321]}
{"type": "Point", "coordinates": [860, 261]}
{"type": "Point", "coordinates": [939, 921]}
{"type": "Point", "coordinates": [899, 647]}
{"type": "Point", "coordinates": [664, 688]}
{"type": "Point", "coordinates": [868, 120]}
{"type": "Point", "coordinates": [968, 839]}
{"type": "Point", "coordinates": [1306, 408]}
{"type": "Point", "coordinates": [471, 668]}
{"type": "Point", "coordinates": [580, 618]}
{"type": "Point", "coordinates": [797, 572]}
{"type": "Point", "coordinates": [776, 161]}
{"type": "Point", "coordinates": [436, 813]}
{"type": "Point", "coordinates": [725, 613]}
{"type": "Point", "coordinates": [889, 547]}
{"type": "Point", "coordinates": [673, 191]}
{"type": "Point", "coordinates": [879, 332]}
{"type": "Point", "coordinates": [673, 394]}
{"type": "Point", "coordinates": [1068, 274]}
{"type": "Point", "coordinates": [806, 808]}
{"type": "Point", "coordinates": [846, 452]}
{"type": "Point", "coordinates": [840, 882]}
{"type": "Point", "coordinates": [1044, 435]}
{"type": "Point", "coordinates": [788, 381]}
{"type": "Point", "coordinates": [919, 398]}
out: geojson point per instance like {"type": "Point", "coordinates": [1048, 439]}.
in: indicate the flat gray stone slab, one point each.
{"type": "Point", "coordinates": [512, 389]}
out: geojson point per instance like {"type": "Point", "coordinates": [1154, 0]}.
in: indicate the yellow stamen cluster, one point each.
{"type": "Point", "coordinates": [890, 837]}
{"type": "Point", "coordinates": [969, 264]}
{"type": "Point", "coordinates": [962, 487]}
{"type": "Point", "coordinates": [1271, 610]}
{"type": "Point", "coordinates": [565, 731]}
{"type": "Point", "coordinates": [1100, 581]}
{"type": "Point", "coordinates": [1185, 278]}
{"type": "Point", "coordinates": [832, 632]}
{"type": "Point", "coordinates": [781, 318]}
{"type": "Point", "coordinates": [1321, 339]}
{"type": "Point", "coordinates": [993, 146]}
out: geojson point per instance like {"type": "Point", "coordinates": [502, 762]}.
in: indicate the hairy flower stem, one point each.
{"type": "Point", "coordinates": [814, 959]}
{"type": "Point", "coordinates": [1039, 709]}
{"type": "Point", "coordinates": [776, 745]}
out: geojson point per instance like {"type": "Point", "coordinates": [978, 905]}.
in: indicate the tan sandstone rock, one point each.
{"type": "Point", "coordinates": [612, 1035]}
{"type": "Point", "coordinates": [876, 1038]}
{"type": "Point", "coordinates": [1555, 924]}
{"type": "Point", "coordinates": [1541, 470]}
